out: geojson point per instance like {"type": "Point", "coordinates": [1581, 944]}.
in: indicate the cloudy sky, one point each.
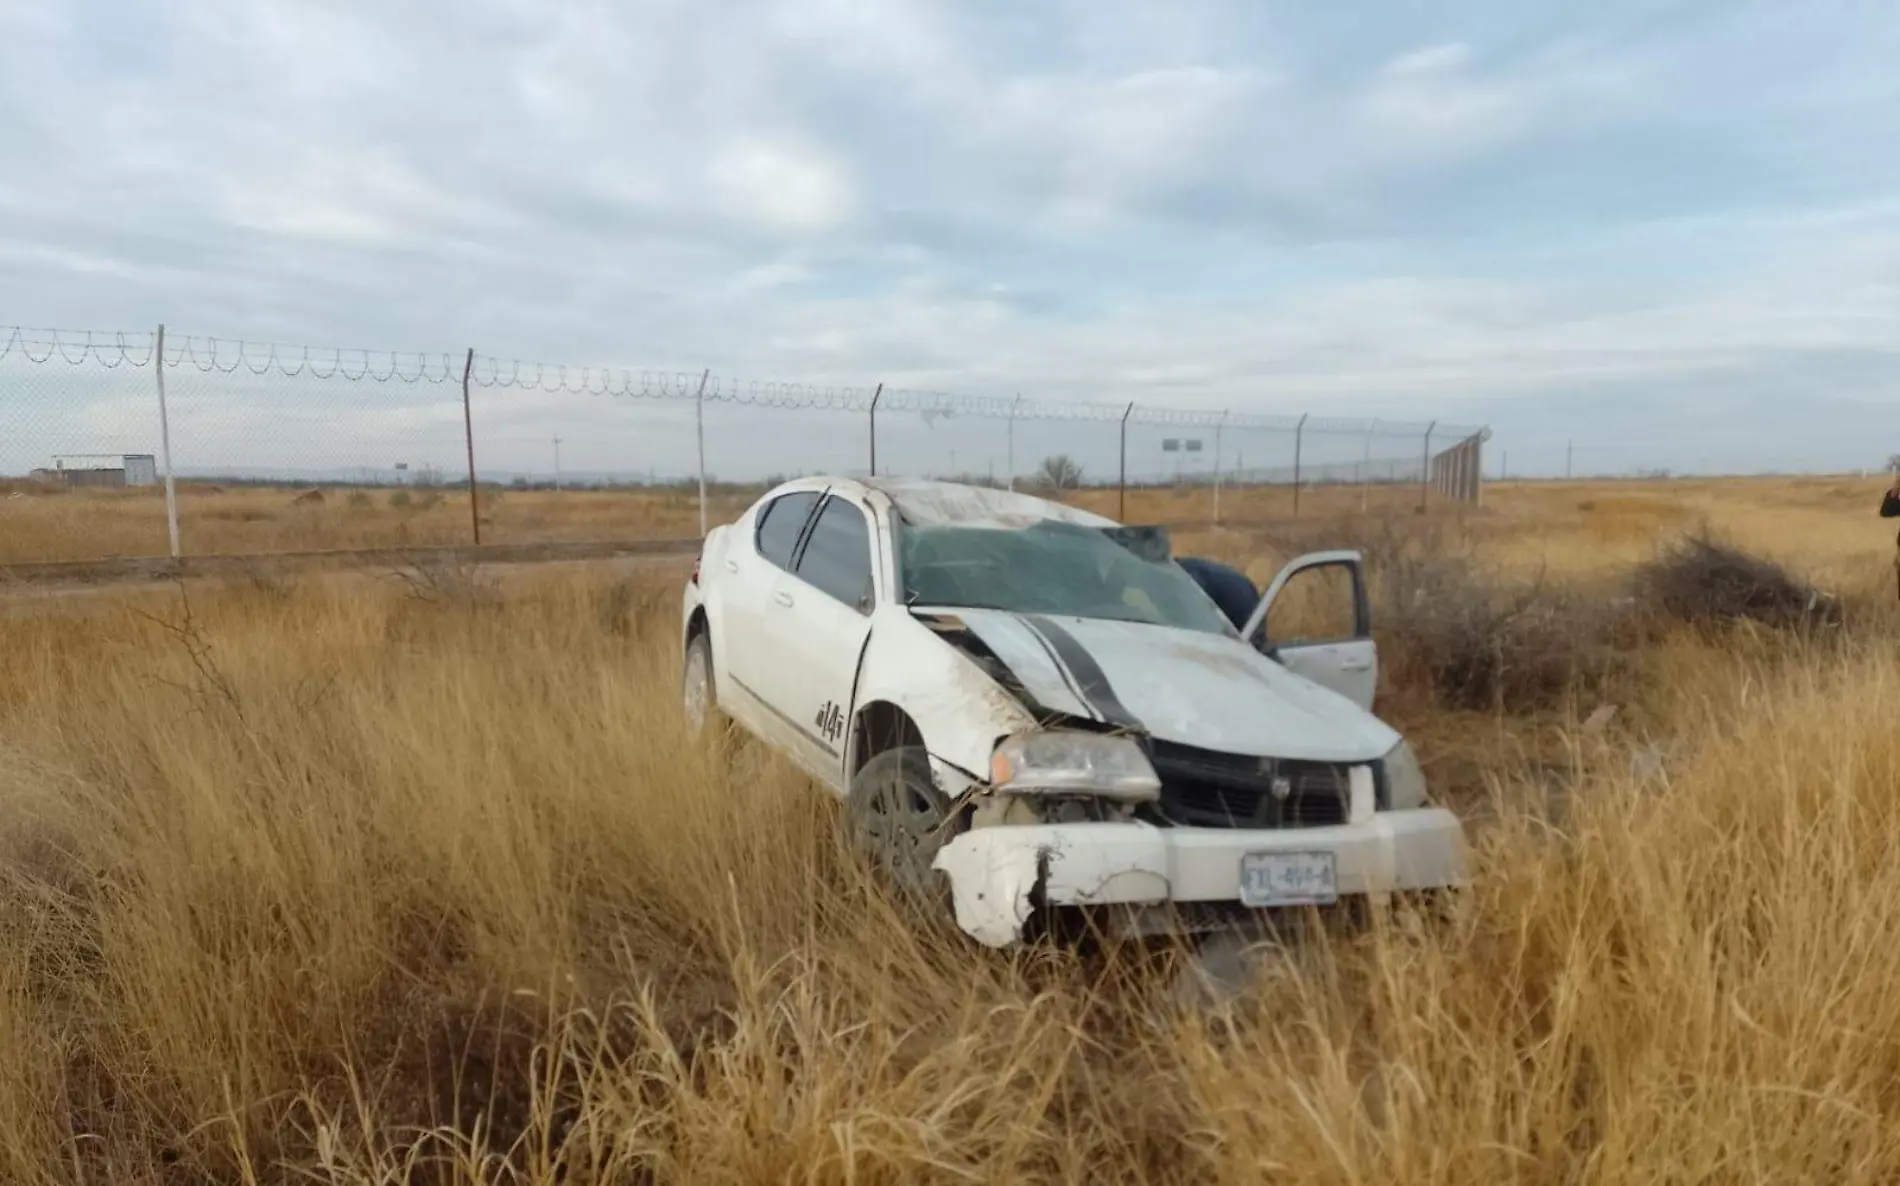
{"type": "Point", "coordinates": [1668, 231]}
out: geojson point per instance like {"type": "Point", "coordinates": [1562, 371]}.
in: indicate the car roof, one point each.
{"type": "Point", "coordinates": [926, 502]}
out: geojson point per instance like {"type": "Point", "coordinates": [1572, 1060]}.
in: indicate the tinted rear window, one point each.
{"type": "Point", "coordinates": [780, 523]}
{"type": "Point", "coordinates": [837, 558]}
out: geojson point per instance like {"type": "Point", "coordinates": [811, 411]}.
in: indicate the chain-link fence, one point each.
{"type": "Point", "coordinates": [135, 444]}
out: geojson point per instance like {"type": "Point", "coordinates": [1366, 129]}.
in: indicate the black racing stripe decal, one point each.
{"type": "Point", "coordinates": [1056, 664]}
{"type": "Point", "coordinates": [816, 740]}
{"type": "Point", "coordinates": [1093, 683]}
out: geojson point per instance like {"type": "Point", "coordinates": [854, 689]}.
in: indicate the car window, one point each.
{"type": "Point", "coordinates": [1052, 567]}
{"type": "Point", "coordinates": [1316, 605]}
{"type": "Point", "coordinates": [780, 524]}
{"type": "Point", "coordinates": [837, 557]}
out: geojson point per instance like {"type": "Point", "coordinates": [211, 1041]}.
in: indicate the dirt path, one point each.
{"type": "Point", "coordinates": [70, 578]}
{"type": "Point", "coordinates": [26, 592]}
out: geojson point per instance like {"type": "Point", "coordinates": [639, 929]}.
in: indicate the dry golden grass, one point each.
{"type": "Point", "coordinates": [96, 524]}
{"type": "Point", "coordinates": [338, 884]}
{"type": "Point", "coordinates": [1560, 527]}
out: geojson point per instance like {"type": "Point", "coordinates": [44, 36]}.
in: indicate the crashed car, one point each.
{"type": "Point", "coordinates": [1040, 707]}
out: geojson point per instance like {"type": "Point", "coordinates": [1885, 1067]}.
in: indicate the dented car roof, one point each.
{"type": "Point", "coordinates": [924, 502]}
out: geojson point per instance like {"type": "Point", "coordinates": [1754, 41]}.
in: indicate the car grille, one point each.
{"type": "Point", "coordinates": [1204, 789]}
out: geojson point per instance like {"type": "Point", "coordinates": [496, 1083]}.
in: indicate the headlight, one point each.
{"type": "Point", "coordinates": [1404, 778]}
{"type": "Point", "coordinates": [1059, 762]}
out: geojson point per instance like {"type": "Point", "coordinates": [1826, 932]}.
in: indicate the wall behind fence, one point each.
{"type": "Point", "coordinates": [274, 448]}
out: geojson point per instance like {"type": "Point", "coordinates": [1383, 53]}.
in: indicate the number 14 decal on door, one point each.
{"type": "Point", "coordinates": [830, 721]}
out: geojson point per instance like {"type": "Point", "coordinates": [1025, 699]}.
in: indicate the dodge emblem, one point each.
{"type": "Point", "coordinates": [1282, 787]}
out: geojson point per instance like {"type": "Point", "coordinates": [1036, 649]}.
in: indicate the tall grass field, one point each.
{"type": "Point", "coordinates": [358, 879]}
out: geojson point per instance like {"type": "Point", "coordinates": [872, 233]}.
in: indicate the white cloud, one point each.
{"type": "Point", "coordinates": [782, 185]}
{"type": "Point", "coordinates": [1113, 139]}
{"type": "Point", "coordinates": [1152, 198]}
{"type": "Point", "coordinates": [1430, 102]}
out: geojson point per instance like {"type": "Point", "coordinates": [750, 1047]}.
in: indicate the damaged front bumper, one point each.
{"type": "Point", "coordinates": [1000, 875]}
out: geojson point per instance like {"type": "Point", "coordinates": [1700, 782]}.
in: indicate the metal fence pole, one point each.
{"type": "Point", "coordinates": [1012, 439]}
{"type": "Point", "coordinates": [699, 430]}
{"type": "Point", "coordinates": [1365, 478]}
{"type": "Point", "coordinates": [1425, 482]}
{"type": "Point", "coordinates": [1477, 469]}
{"type": "Point", "coordinates": [875, 396]}
{"type": "Point", "coordinates": [468, 435]}
{"type": "Point", "coordinates": [1218, 425]}
{"type": "Point", "coordinates": [1299, 439]}
{"type": "Point", "coordinates": [1122, 513]}
{"type": "Point", "coordinates": [165, 443]}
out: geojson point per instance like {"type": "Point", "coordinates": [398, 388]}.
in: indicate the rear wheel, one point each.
{"type": "Point", "coordinates": [698, 697]}
{"type": "Point", "coordinates": [899, 820]}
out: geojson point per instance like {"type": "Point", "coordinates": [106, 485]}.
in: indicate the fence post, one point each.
{"type": "Point", "coordinates": [165, 442]}
{"type": "Point", "coordinates": [1365, 478]}
{"type": "Point", "coordinates": [1122, 512]}
{"type": "Point", "coordinates": [1012, 440]}
{"type": "Point", "coordinates": [1299, 439]}
{"type": "Point", "coordinates": [1218, 425]}
{"type": "Point", "coordinates": [468, 435]}
{"type": "Point", "coordinates": [875, 396]}
{"type": "Point", "coordinates": [699, 430]}
{"type": "Point", "coordinates": [1425, 483]}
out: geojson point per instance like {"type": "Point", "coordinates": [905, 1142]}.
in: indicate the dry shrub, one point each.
{"type": "Point", "coordinates": [1477, 641]}
{"type": "Point", "coordinates": [1702, 580]}
{"type": "Point", "coordinates": [448, 578]}
{"type": "Point", "coordinates": [1454, 632]}
{"type": "Point", "coordinates": [631, 607]}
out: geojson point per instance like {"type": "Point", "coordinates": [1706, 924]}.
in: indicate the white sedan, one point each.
{"type": "Point", "coordinates": [1041, 708]}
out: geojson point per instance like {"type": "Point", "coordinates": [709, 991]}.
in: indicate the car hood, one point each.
{"type": "Point", "coordinates": [1186, 686]}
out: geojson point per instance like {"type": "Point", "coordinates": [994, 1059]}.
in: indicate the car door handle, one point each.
{"type": "Point", "coordinates": [782, 597]}
{"type": "Point", "coordinates": [1356, 665]}
{"type": "Point", "coordinates": [732, 566]}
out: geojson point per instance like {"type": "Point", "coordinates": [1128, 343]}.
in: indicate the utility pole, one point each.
{"type": "Point", "coordinates": [1570, 449]}
{"type": "Point", "coordinates": [557, 461]}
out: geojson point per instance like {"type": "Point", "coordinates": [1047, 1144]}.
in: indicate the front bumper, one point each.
{"type": "Point", "coordinates": [999, 875]}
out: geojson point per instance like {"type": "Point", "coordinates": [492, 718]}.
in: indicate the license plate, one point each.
{"type": "Point", "coordinates": [1288, 879]}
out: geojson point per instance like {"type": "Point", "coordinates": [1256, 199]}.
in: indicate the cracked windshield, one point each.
{"type": "Point", "coordinates": [1053, 568]}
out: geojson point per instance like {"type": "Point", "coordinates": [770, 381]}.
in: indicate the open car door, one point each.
{"type": "Point", "coordinates": [1316, 620]}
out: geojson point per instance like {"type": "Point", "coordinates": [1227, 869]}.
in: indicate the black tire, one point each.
{"type": "Point", "coordinates": [898, 820]}
{"type": "Point", "coordinates": [697, 685]}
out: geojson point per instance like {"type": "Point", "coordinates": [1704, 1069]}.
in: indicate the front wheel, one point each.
{"type": "Point", "coordinates": [899, 820]}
